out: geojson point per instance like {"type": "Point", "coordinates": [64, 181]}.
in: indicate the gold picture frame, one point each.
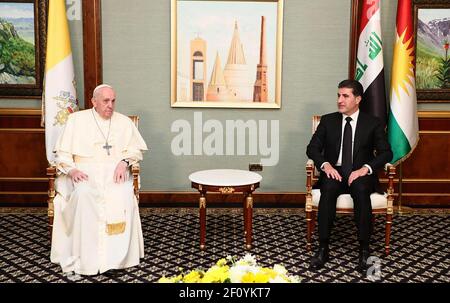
{"type": "Point", "coordinates": [245, 35]}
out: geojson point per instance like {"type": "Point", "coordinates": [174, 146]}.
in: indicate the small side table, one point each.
{"type": "Point", "coordinates": [226, 181]}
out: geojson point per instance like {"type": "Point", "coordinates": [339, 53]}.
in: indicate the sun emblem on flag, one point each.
{"type": "Point", "coordinates": [67, 104]}
{"type": "Point", "coordinates": [403, 73]}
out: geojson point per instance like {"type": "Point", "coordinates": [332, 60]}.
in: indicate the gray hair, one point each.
{"type": "Point", "coordinates": [98, 88]}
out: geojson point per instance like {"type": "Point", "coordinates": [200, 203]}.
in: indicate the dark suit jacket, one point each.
{"type": "Point", "coordinates": [369, 137]}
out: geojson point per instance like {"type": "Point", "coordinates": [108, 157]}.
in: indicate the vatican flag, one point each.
{"type": "Point", "coordinates": [59, 96]}
{"type": "Point", "coordinates": [403, 125]}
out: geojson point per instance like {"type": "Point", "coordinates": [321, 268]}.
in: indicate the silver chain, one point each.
{"type": "Point", "coordinates": [109, 127]}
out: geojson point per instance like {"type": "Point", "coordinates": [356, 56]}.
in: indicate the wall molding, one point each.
{"type": "Point", "coordinates": [433, 114]}
{"type": "Point", "coordinates": [190, 199]}
{"type": "Point", "coordinates": [22, 130]}
{"type": "Point", "coordinates": [20, 112]}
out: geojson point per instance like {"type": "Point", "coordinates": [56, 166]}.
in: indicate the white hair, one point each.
{"type": "Point", "coordinates": [98, 88]}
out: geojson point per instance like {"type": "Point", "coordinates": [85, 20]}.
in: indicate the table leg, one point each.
{"type": "Point", "coordinates": [249, 216]}
{"type": "Point", "coordinates": [245, 216]}
{"type": "Point", "coordinates": [202, 207]}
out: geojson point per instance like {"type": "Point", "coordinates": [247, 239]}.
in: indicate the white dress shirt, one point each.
{"type": "Point", "coordinates": [353, 124]}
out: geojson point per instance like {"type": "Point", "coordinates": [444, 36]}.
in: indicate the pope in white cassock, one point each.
{"type": "Point", "coordinates": [96, 220]}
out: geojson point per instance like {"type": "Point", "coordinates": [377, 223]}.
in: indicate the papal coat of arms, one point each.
{"type": "Point", "coordinates": [67, 104]}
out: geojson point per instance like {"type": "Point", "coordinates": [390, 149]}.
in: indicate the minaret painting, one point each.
{"type": "Point", "coordinates": [217, 88]}
{"type": "Point", "coordinates": [236, 71]}
{"type": "Point", "coordinates": [198, 70]}
{"type": "Point", "coordinates": [260, 88]}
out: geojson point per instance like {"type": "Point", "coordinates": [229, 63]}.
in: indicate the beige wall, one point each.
{"type": "Point", "coordinates": [136, 54]}
{"type": "Point", "coordinates": [136, 50]}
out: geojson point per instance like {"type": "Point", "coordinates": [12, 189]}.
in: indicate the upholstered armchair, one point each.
{"type": "Point", "coordinates": [382, 204]}
{"type": "Point", "coordinates": [52, 174]}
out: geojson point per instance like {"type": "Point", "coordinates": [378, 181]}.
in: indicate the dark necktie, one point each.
{"type": "Point", "coordinates": [347, 149]}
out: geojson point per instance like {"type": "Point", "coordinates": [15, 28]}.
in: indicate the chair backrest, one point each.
{"type": "Point", "coordinates": [135, 120]}
{"type": "Point", "coordinates": [315, 123]}
{"type": "Point", "coordinates": [135, 170]}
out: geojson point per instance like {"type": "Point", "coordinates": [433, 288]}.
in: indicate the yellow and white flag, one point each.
{"type": "Point", "coordinates": [59, 96]}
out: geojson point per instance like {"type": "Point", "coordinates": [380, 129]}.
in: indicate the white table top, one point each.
{"type": "Point", "coordinates": [225, 177]}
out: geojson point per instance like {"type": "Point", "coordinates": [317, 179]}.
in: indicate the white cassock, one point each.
{"type": "Point", "coordinates": [96, 222]}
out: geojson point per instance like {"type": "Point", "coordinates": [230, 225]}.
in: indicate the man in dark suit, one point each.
{"type": "Point", "coordinates": [343, 150]}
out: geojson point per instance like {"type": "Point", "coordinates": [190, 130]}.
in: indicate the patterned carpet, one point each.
{"type": "Point", "coordinates": [420, 246]}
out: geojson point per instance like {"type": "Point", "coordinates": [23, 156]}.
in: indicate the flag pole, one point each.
{"type": "Point", "coordinates": [400, 189]}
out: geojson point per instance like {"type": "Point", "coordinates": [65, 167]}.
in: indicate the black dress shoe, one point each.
{"type": "Point", "coordinates": [362, 263]}
{"type": "Point", "coordinates": [114, 273]}
{"type": "Point", "coordinates": [320, 258]}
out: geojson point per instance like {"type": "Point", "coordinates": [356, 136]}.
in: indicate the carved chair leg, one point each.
{"type": "Point", "coordinates": [202, 207]}
{"type": "Point", "coordinates": [309, 229]}
{"type": "Point", "coordinates": [50, 215]}
{"type": "Point", "coordinates": [50, 227]}
{"type": "Point", "coordinates": [388, 233]}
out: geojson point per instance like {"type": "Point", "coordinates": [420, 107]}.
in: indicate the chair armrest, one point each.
{"type": "Point", "coordinates": [51, 174]}
{"type": "Point", "coordinates": [309, 175]}
{"type": "Point", "coordinates": [135, 170]}
{"type": "Point", "coordinates": [309, 183]}
{"type": "Point", "coordinates": [390, 172]}
{"type": "Point", "coordinates": [51, 171]}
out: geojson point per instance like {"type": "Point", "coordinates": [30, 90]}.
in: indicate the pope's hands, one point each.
{"type": "Point", "coordinates": [120, 173]}
{"type": "Point", "coordinates": [77, 175]}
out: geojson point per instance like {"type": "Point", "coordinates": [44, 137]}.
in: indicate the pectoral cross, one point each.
{"type": "Point", "coordinates": [107, 147]}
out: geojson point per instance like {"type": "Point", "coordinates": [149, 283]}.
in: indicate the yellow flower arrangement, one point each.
{"type": "Point", "coordinates": [228, 270]}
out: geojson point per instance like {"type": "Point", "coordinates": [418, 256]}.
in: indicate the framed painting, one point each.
{"type": "Point", "coordinates": [432, 38]}
{"type": "Point", "coordinates": [226, 53]}
{"type": "Point", "coordinates": [22, 48]}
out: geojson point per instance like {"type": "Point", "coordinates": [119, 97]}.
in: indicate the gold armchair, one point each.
{"type": "Point", "coordinates": [381, 204]}
{"type": "Point", "coordinates": [52, 174]}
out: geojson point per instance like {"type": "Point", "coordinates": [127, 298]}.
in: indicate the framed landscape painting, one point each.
{"type": "Point", "coordinates": [432, 37]}
{"type": "Point", "coordinates": [226, 53]}
{"type": "Point", "coordinates": [22, 48]}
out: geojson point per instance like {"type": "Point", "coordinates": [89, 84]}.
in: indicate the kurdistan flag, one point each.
{"type": "Point", "coordinates": [369, 62]}
{"type": "Point", "coordinates": [403, 124]}
{"type": "Point", "coordinates": [59, 97]}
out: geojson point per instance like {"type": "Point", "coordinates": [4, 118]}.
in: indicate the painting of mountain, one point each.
{"type": "Point", "coordinates": [17, 45]}
{"type": "Point", "coordinates": [432, 53]}
{"type": "Point", "coordinates": [24, 27]}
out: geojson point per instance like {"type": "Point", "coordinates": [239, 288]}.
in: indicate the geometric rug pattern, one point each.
{"type": "Point", "coordinates": [420, 246]}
